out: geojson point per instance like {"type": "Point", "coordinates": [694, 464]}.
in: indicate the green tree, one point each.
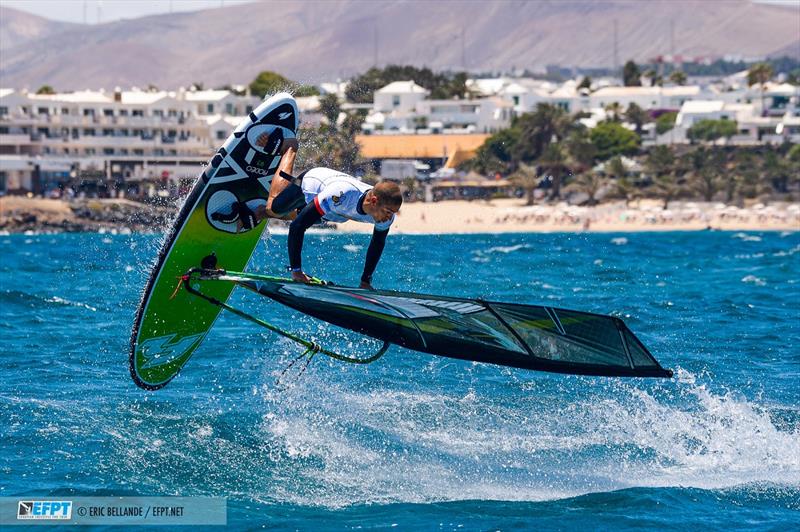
{"type": "Point", "coordinates": [537, 130]}
{"type": "Point", "coordinates": [776, 171]}
{"type": "Point", "coordinates": [526, 178]}
{"type": "Point", "coordinates": [495, 155]}
{"type": "Point", "coordinates": [613, 139]}
{"type": "Point", "coordinates": [677, 77]}
{"type": "Point", "coordinates": [441, 86]}
{"type": "Point", "coordinates": [330, 109]}
{"type": "Point", "coordinates": [631, 76]}
{"type": "Point", "coordinates": [589, 183]}
{"type": "Point", "coordinates": [615, 168]}
{"type": "Point", "coordinates": [742, 178]}
{"type": "Point", "coordinates": [268, 82]}
{"type": "Point", "coordinates": [581, 151]}
{"type": "Point", "coordinates": [306, 90]}
{"type": "Point", "coordinates": [45, 89]}
{"type": "Point", "coordinates": [706, 166]}
{"type": "Point", "coordinates": [711, 130]}
{"type": "Point", "coordinates": [759, 74]}
{"type": "Point", "coordinates": [665, 122]}
{"type": "Point", "coordinates": [654, 77]}
{"type": "Point", "coordinates": [615, 109]}
{"type": "Point", "coordinates": [553, 162]}
{"type": "Point", "coordinates": [661, 163]}
{"type": "Point", "coordinates": [637, 116]}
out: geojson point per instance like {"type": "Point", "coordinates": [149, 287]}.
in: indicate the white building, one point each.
{"type": "Point", "coordinates": [400, 96]}
{"type": "Point", "coordinates": [121, 136]}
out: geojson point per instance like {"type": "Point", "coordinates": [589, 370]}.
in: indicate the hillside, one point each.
{"type": "Point", "coordinates": [317, 40]}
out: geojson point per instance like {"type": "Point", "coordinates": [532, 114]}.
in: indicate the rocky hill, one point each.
{"type": "Point", "coordinates": [315, 40]}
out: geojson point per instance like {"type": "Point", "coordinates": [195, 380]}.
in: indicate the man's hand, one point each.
{"type": "Point", "coordinates": [365, 285]}
{"type": "Point", "coordinates": [301, 277]}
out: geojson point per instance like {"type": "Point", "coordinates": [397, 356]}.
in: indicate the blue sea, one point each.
{"type": "Point", "coordinates": [416, 442]}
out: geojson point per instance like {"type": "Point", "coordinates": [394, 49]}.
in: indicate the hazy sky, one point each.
{"type": "Point", "coordinates": [92, 11]}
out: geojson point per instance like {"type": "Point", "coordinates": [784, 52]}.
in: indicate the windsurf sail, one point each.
{"type": "Point", "coordinates": [508, 334]}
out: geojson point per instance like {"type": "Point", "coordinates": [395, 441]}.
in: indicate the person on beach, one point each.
{"type": "Point", "coordinates": [322, 194]}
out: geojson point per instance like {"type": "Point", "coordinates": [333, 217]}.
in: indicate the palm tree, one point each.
{"type": "Point", "coordinates": [616, 168]}
{"type": "Point", "coordinates": [526, 177]}
{"type": "Point", "coordinates": [760, 74]}
{"type": "Point", "coordinates": [705, 166]}
{"type": "Point", "coordinates": [615, 109]}
{"type": "Point", "coordinates": [548, 123]}
{"type": "Point", "coordinates": [637, 116]}
{"type": "Point", "coordinates": [589, 182]}
{"type": "Point", "coordinates": [554, 163]}
{"type": "Point", "coordinates": [661, 162]}
{"type": "Point", "coordinates": [678, 77]}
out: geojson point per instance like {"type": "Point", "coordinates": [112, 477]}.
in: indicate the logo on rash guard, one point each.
{"type": "Point", "coordinates": [337, 199]}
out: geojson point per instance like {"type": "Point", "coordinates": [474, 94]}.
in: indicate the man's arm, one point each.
{"type": "Point", "coordinates": [374, 252]}
{"type": "Point", "coordinates": [297, 230]}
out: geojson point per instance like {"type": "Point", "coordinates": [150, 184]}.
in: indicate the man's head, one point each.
{"type": "Point", "coordinates": [383, 201]}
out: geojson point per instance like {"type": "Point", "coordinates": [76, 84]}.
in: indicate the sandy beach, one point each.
{"type": "Point", "coordinates": [497, 216]}
{"type": "Point", "coordinates": [511, 215]}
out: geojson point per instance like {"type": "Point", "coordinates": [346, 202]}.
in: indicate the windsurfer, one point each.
{"type": "Point", "coordinates": [322, 194]}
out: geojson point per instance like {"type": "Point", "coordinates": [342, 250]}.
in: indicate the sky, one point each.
{"type": "Point", "coordinates": [94, 11]}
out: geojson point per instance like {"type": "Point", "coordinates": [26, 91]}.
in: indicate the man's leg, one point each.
{"type": "Point", "coordinates": [286, 203]}
{"type": "Point", "coordinates": [286, 165]}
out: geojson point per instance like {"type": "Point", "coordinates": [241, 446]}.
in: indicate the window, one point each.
{"type": "Point", "coordinates": [158, 112]}
{"type": "Point", "coordinates": [64, 110]}
{"type": "Point", "coordinates": [221, 135]}
{"type": "Point", "coordinates": [108, 112]}
{"type": "Point", "coordinates": [229, 108]}
{"type": "Point", "coordinates": [43, 111]}
{"type": "Point", "coordinates": [249, 109]}
{"type": "Point", "coordinates": [210, 108]}
{"type": "Point", "coordinates": [88, 112]}
{"type": "Point", "coordinates": [3, 110]}
{"type": "Point", "coordinates": [90, 151]}
{"type": "Point", "coordinates": [137, 112]}
{"type": "Point", "coordinates": [395, 101]}
{"type": "Point", "coordinates": [108, 132]}
{"type": "Point", "coordinates": [3, 131]}
{"type": "Point", "coordinates": [172, 113]}
{"type": "Point", "coordinates": [89, 132]}
{"type": "Point", "coordinates": [138, 151]}
{"type": "Point", "coordinates": [108, 151]}
{"type": "Point", "coordinates": [123, 112]}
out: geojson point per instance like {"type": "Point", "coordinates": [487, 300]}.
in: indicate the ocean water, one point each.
{"type": "Point", "coordinates": [415, 441]}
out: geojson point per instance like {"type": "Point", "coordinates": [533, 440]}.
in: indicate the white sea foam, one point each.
{"type": "Point", "coordinates": [507, 249]}
{"type": "Point", "coordinates": [619, 241]}
{"type": "Point", "coordinates": [744, 237]}
{"type": "Point", "coordinates": [388, 446]}
{"type": "Point", "coordinates": [352, 248]}
{"type": "Point", "coordinates": [61, 300]}
{"type": "Point", "coordinates": [754, 280]}
{"type": "Point", "coordinates": [787, 253]}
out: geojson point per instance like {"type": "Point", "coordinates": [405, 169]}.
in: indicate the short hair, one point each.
{"type": "Point", "coordinates": [388, 193]}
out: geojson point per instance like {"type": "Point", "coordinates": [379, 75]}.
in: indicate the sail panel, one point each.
{"type": "Point", "coordinates": [524, 336]}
